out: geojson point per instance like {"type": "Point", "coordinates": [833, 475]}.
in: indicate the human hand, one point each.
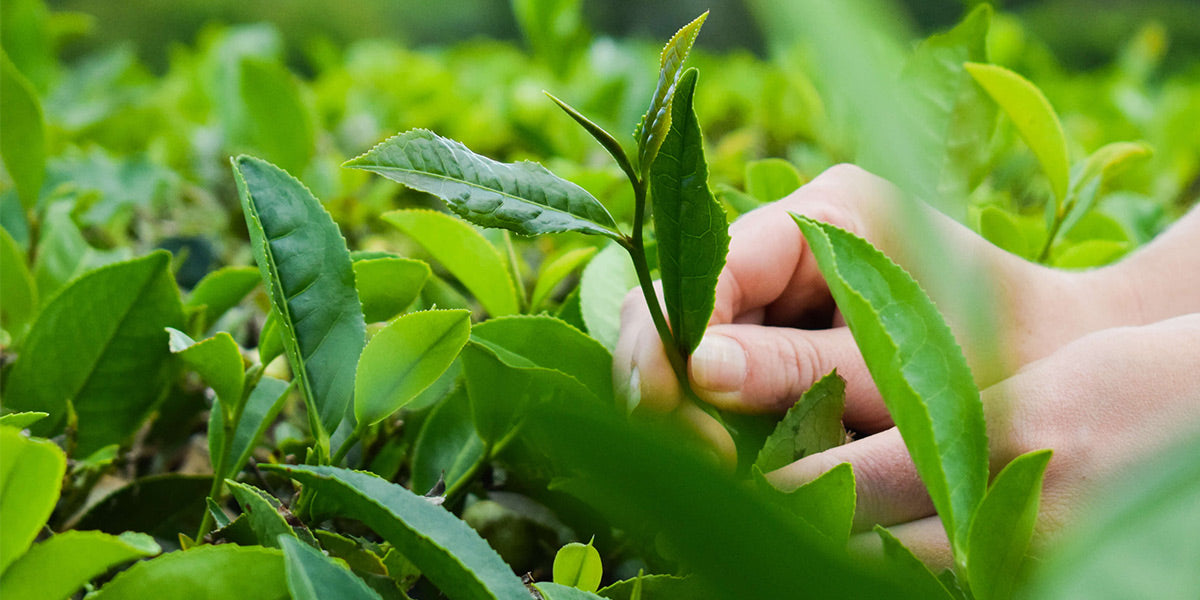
{"type": "Point", "coordinates": [1103, 403]}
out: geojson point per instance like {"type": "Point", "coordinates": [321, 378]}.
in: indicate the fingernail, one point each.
{"type": "Point", "coordinates": [633, 393]}
{"type": "Point", "coordinates": [719, 364]}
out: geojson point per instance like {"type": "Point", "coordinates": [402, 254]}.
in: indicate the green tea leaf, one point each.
{"type": "Point", "coordinates": [555, 271]}
{"type": "Point", "coordinates": [1034, 118]}
{"type": "Point", "coordinates": [310, 280]}
{"type": "Point", "coordinates": [555, 30]}
{"type": "Point", "coordinates": [386, 286]}
{"type": "Point", "coordinates": [523, 197]}
{"type": "Point", "coordinates": [204, 573]}
{"type": "Point", "coordinates": [602, 288]}
{"type": "Point", "coordinates": [919, 369]}
{"type": "Point", "coordinates": [813, 424]}
{"type": "Point", "coordinates": [313, 576]}
{"type": "Point", "coordinates": [557, 591]}
{"type": "Point", "coordinates": [21, 420]}
{"type": "Point", "coordinates": [1003, 526]}
{"type": "Point", "coordinates": [448, 552]}
{"type": "Point", "coordinates": [689, 224]}
{"type": "Point", "coordinates": [18, 294]}
{"type": "Point", "coordinates": [217, 359]}
{"type": "Point", "coordinates": [447, 445]}
{"type": "Point", "coordinates": [578, 565]}
{"type": "Point", "coordinates": [770, 179]}
{"type": "Point", "coordinates": [465, 253]}
{"type": "Point", "coordinates": [406, 357]}
{"type": "Point", "coordinates": [827, 502]}
{"type": "Point", "coordinates": [548, 343]}
{"type": "Point", "coordinates": [1001, 228]}
{"type": "Point", "coordinates": [100, 344]}
{"type": "Point", "coordinates": [653, 128]}
{"type": "Point", "coordinates": [63, 254]}
{"type": "Point", "coordinates": [1091, 253]}
{"type": "Point", "coordinates": [23, 137]}
{"type": "Point", "coordinates": [162, 505]}
{"type": "Point", "coordinates": [262, 515]}
{"type": "Point", "coordinates": [270, 339]}
{"type": "Point", "coordinates": [221, 290]}
{"type": "Point", "coordinates": [74, 557]}
{"type": "Point", "coordinates": [1090, 177]}
{"type": "Point", "coordinates": [605, 138]}
{"type": "Point", "coordinates": [909, 569]}
{"type": "Point", "coordinates": [276, 119]}
{"type": "Point", "coordinates": [263, 405]}
{"type": "Point", "coordinates": [31, 473]}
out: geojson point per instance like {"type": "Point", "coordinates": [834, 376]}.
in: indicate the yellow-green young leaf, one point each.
{"type": "Point", "coordinates": [31, 473]}
{"type": "Point", "coordinates": [907, 568]}
{"type": "Point", "coordinates": [523, 197]}
{"type": "Point", "coordinates": [770, 179]}
{"type": "Point", "coordinates": [1091, 253]}
{"type": "Point", "coordinates": [313, 576]}
{"type": "Point", "coordinates": [406, 357]}
{"type": "Point", "coordinates": [100, 344]}
{"type": "Point", "coordinates": [74, 558]}
{"type": "Point", "coordinates": [555, 271]}
{"type": "Point", "coordinates": [1110, 160]}
{"type": "Point", "coordinates": [22, 139]}
{"type": "Point", "coordinates": [221, 290]}
{"type": "Point", "coordinates": [310, 281]}
{"type": "Point", "coordinates": [447, 446]}
{"type": "Point", "coordinates": [813, 424]}
{"type": "Point", "coordinates": [387, 285]}
{"type": "Point", "coordinates": [21, 420]}
{"type": "Point", "coordinates": [203, 573]}
{"type": "Point", "coordinates": [917, 365]}
{"type": "Point", "coordinates": [827, 502]}
{"type": "Point", "coordinates": [18, 294]}
{"type": "Point", "coordinates": [553, 590]}
{"type": "Point", "coordinates": [217, 360]}
{"type": "Point", "coordinates": [448, 553]}
{"type": "Point", "coordinates": [689, 223]}
{"type": "Point", "coordinates": [578, 565]}
{"type": "Point", "coordinates": [602, 288]}
{"type": "Point", "coordinates": [465, 253]}
{"type": "Point", "coordinates": [1003, 526]}
{"type": "Point", "coordinates": [277, 122]}
{"type": "Point", "coordinates": [652, 129]}
{"type": "Point", "coordinates": [1001, 228]}
{"type": "Point", "coordinates": [1034, 118]}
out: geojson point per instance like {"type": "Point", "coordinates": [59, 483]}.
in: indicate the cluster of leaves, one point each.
{"type": "Point", "coordinates": [267, 457]}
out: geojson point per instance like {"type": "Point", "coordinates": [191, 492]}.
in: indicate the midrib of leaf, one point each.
{"type": "Point", "coordinates": [465, 182]}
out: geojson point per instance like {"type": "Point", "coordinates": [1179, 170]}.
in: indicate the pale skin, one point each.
{"type": "Point", "coordinates": [1101, 366]}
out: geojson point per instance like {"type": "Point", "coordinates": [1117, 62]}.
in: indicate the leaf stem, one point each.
{"type": "Point", "coordinates": [344, 449]}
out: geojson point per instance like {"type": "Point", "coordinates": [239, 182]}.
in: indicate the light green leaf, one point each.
{"type": "Point", "coordinates": [557, 591]}
{"type": "Point", "coordinates": [813, 424]}
{"type": "Point", "coordinates": [217, 360]}
{"type": "Point", "coordinates": [602, 288]}
{"type": "Point", "coordinates": [909, 569]}
{"type": "Point", "coordinates": [447, 445]}
{"type": "Point", "coordinates": [263, 405]}
{"type": "Point", "coordinates": [827, 502]}
{"type": "Point", "coordinates": [310, 280]}
{"type": "Point", "coordinates": [919, 369]}
{"type": "Point", "coordinates": [770, 179]}
{"type": "Point", "coordinates": [554, 271]}
{"type": "Point", "coordinates": [578, 566]}
{"type": "Point", "coordinates": [31, 473]}
{"type": "Point", "coordinates": [406, 357]}
{"type": "Point", "coordinates": [1091, 176]}
{"type": "Point", "coordinates": [387, 285]}
{"type": "Point", "coordinates": [448, 552]}
{"type": "Point", "coordinates": [605, 138]}
{"type": "Point", "coordinates": [1091, 253]}
{"type": "Point", "coordinates": [18, 294]}
{"type": "Point", "coordinates": [74, 557]}
{"type": "Point", "coordinates": [465, 253]}
{"type": "Point", "coordinates": [689, 224]}
{"type": "Point", "coordinates": [262, 514]}
{"type": "Point", "coordinates": [1034, 118]}
{"type": "Point", "coordinates": [549, 343]}
{"type": "Point", "coordinates": [1003, 526]}
{"type": "Point", "coordinates": [313, 576]}
{"type": "Point", "coordinates": [221, 290]}
{"type": "Point", "coordinates": [23, 137]}
{"type": "Point", "coordinates": [652, 129]}
{"type": "Point", "coordinates": [523, 197]}
{"type": "Point", "coordinates": [21, 420]}
{"type": "Point", "coordinates": [100, 344]}
{"type": "Point", "coordinates": [203, 573]}
{"type": "Point", "coordinates": [1001, 228]}
{"type": "Point", "coordinates": [276, 120]}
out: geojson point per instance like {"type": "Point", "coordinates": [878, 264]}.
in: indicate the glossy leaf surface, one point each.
{"type": "Point", "coordinates": [523, 197]}
{"type": "Point", "coordinates": [217, 360]}
{"type": "Point", "coordinates": [578, 565]}
{"type": "Point", "coordinates": [31, 473]}
{"type": "Point", "coordinates": [74, 557]}
{"type": "Point", "coordinates": [221, 290]}
{"type": "Point", "coordinates": [204, 573]}
{"type": "Point", "coordinates": [652, 129]}
{"type": "Point", "coordinates": [388, 285]}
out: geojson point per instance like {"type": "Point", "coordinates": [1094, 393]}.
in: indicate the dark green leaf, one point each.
{"type": "Point", "coordinates": [523, 197]}
{"type": "Point", "coordinates": [264, 403]}
{"type": "Point", "coordinates": [909, 569]}
{"type": "Point", "coordinates": [204, 573]}
{"type": "Point", "coordinates": [813, 424]}
{"type": "Point", "coordinates": [100, 345]}
{"type": "Point", "coordinates": [605, 138]}
{"type": "Point", "coordinates": [221, 290]}
{"type": "Point", "coordinates": [554, 271]}
{"type": "Point", "coordinates": [18, 295]}
{"type": "Point", "coordinates": [313, 576]}
{"type": "Point", "coordinates": [263, 515]}
{"type": "Point", "coordinates": [657, 587]}
{"type": "Point", "coordinates": [689, 223]}
{"type": "Point", "coordinates": [406, 357]}
{"type": "Point", "coordinates": [448, 552]}
{"type": "Point", "coordinates": [652, 129]}
{"type": "Point", "coordinates": [770, 179]}
{"type": "Point", "coordinates": [447, 446]}
{"type": "Point", "coordinates": [919, 369]}
{"type": "Point", "coordinates": [1003, 526]}
{"type": "Point", "coordinates": [74, 557]}
{"type": "Point", "coordinates": [31, 473]}
{"type": "Point", "coordinates": [23, 137]}
{"type": "Point", "coordinates": [388, 285]}
{"type": "Point", "coordinates": [557, 591]}
{"type": "Point", "coordinates": [465, 253]}
{"type": "Point", "coordinates": [578, 566]}
{"type": "Point", "coordinates": [310, 280]}
{"type": "Point", "coordinates": [161, 505]}
{"type": "Point", "coordinates": [827, 502]}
